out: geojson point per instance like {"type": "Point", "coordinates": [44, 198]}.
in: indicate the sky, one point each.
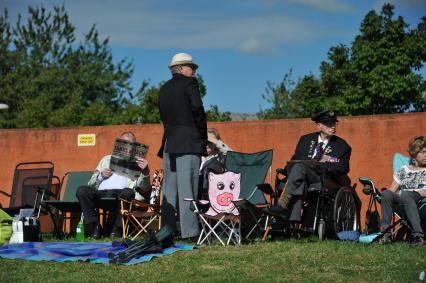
{"type": "Point", "coordinates": [239, 45]}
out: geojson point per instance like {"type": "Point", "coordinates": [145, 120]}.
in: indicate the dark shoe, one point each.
{"type": "Point", "coordinates": [277, 211]}
{"type": "Point", "coordinates": [96, 233]}
{"type": "Point", "coordinates": [418, 241]}
{"type": "Point", "coordinates": [385, 239]}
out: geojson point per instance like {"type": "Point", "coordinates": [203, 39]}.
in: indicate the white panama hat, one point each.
{"type": "Point", "coordinates": [182, 59]}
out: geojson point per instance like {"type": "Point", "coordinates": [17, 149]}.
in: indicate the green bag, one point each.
{"type": "Point", "coordinates": [5, 227]}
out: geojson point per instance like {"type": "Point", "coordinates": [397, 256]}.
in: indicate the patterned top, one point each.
{"type": "Point", "coordinates": [411, 180]}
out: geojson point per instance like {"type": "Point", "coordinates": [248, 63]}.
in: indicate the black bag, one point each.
{"type": "Point", "coordinates": [372, 218]}
{"type": "Point", "coordinates": [31, 229]}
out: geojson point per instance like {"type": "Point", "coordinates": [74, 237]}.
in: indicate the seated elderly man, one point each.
{"type": "Point", "coordinates": [323, 146]}
{"type": "Point", "coordinates": [106, 183]}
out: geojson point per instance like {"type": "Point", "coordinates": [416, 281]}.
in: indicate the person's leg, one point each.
{"type": "Point", "coordinates": [170, 189]}
{"type": "Point", "coordinates": [410, 200]}
{"type": "Point", "coordinates": [187, 180]}
{"type": "Point", "coordinates": [298, 180]}
{"type": "Point", "coordinates": [389, 199]}
{"type": "Point", "coordinates": [87, 196]}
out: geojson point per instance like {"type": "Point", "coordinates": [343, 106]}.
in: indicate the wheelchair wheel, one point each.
{"type": "Point", "coordinates": [346, 211]}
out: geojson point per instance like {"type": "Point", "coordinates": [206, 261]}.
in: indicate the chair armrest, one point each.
{"type": "Point", "coordinates": [139, 203]}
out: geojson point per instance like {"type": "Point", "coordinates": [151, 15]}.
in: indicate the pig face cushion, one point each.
{"type": "Point", "coordinates": [223, 189]}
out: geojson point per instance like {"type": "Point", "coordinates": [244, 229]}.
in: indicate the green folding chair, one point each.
{"type": "Point", "coordinates": [254, 168]}
{"type": "Point", "coordinates": [69, 204]}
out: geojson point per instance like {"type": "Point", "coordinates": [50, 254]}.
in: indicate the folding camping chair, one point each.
{"type": "Point", "coordinates": [399, 217]}
{"type": "Point", "coordinates": [139, 217]}
{"type": "Point", "coordinates": [254, 169]}
{"type": "Point", "coordinates": [59, 209]}
{"type": "Point", "coordinates": [32, 183]}
{"type": "Point", "coordinates": [218, 215]}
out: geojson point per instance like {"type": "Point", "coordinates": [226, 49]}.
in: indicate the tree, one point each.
{"type": "Point", "coordinates": [378, 74]}
{"type": "Point", "coordinates": [48, 80]}
{"type": "Point", "coordinates": [144, 107]}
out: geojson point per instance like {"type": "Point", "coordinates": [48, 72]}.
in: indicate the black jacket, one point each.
{"type": "Point", "coordinates": [183, 116]}
{"type": "Point", "coordinates": [337, 148]}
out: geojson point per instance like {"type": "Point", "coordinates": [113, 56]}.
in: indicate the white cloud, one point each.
{"type": "Point", "coordinates": [245, 26]}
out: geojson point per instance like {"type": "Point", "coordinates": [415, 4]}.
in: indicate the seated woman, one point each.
{"type": "Point", "coordinates": [214, 161]}
{"type": "Point", "coordinates": [408, 188]}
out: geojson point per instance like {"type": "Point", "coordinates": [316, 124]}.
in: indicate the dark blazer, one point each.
{"type": "Point", "coordinates": [183, 116]}
{"type": "Point", "coordinates": [337, 148]}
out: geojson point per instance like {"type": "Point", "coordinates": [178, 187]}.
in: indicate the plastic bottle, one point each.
{"type": "Point", "coordinates": [79, 235]}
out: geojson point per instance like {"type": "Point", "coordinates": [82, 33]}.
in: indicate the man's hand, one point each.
{"type": "Point", "coordinates": [142, 163]}
{"type": "Point", "coordinates": [106, 173]}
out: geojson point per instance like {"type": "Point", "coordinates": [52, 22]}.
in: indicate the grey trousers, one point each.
{"type": "Point", "coordinates": [409, 200]}
{"type": "Point", "coordinates": [300, 178]}
{"type": "Point", "coordinates": [181, 174]}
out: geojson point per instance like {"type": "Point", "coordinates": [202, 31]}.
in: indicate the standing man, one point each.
{"type": "Point", "coordinates": [323, 146]}
{"type": "Point", "coordinates": [184, 141]}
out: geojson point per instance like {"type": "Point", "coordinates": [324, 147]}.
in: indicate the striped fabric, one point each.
{"type": "Point", "coordinates": [93, 252]}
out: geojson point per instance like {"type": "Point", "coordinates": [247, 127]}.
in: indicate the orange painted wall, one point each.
{"type": "Point", "coordinates": [374, 139]}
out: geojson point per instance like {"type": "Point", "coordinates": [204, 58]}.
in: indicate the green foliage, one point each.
{"type": "Point", "coordinates": [213, 114]}
{"type": "Point", "coordinates": [376, 75]}
{"type": "Point", "coordinates": [50, 80]}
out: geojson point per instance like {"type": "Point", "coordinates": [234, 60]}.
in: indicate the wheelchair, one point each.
{"type": "Point", "coordinates": [332, 208]}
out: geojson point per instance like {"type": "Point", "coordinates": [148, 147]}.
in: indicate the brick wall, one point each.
{"type": "Point", "coordinates": [374, 139]}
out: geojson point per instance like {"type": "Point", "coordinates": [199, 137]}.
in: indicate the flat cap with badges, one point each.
{"type": "Point", "coordinates": [326, 116]}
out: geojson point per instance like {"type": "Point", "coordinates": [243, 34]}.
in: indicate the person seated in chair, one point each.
{"type": "Point", "coordinates": [408, 188]}
{"type": "Point", "coordinates": [214, 161]}
{"type": "Point", "coordinates": [323, 146]}
{"type": "Point", "coordinates": [105, 183]}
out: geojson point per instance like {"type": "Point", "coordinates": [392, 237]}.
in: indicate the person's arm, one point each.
{"type": "Point", "coordinates": [142, 184]}
{"type": "Point", "coordinates": [219, 144]}
{"type": "Point", "coordinates": [340, 167]}
{"type": "Point", "coordinates": [197, 107]}
{"type": "Point", "coordinates": [101, 173]}
{"type": "Point", "coordinates": [394, 187]}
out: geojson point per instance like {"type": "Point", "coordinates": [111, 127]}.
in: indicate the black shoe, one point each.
{"type": "Point", "coordinates": [418, 241]}
{"type": "Point", "coordinates": [97, 232]}
{"type": "Point", "coordinates": [277, 211]}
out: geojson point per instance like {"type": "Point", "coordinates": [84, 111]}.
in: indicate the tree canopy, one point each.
{"type": "Point", "coordinates": [48, 79]}
{"type": "Point", "coordinates": [378, 74]}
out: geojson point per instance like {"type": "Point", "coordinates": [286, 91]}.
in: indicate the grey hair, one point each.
{"type": "Point", "coordinates": [176, 69]}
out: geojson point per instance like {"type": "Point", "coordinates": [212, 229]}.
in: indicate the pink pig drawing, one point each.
{"type": "Point", "coordinates": [223, 189]}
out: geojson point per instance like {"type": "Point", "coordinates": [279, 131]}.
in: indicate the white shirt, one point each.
{"type": "Point", "coordinates": [324, 145]}
{"type": "Point", "coordinates": [115, 181]}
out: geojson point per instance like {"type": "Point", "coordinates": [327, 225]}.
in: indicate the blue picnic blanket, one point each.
{"type": "Point", "coordinates": [94, 252]}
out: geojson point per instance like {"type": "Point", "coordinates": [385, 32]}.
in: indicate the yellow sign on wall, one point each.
{"type": "Point", "coordinates": [86, 140]}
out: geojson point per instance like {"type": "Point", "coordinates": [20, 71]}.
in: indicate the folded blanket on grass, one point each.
{"type": "Point", "coordinates": [94, 252]}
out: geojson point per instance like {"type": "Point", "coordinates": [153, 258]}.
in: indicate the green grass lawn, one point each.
{"type": "Point", "coordinates": [306, 260]}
